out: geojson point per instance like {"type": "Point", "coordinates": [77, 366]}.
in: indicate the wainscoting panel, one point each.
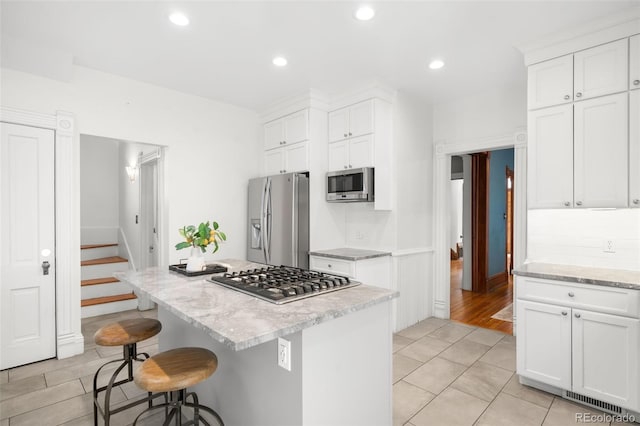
{"type": "Point", "coordinates": [413, 274]}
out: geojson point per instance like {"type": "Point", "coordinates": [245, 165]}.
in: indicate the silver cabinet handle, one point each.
{"type": "Point", "coordinates": [350, 166]}
{"type": "Point", "coordinates": [636, 201]}
{"type": "Point", "coordinates": [350, 133]}
{"type": "Point", "coordinates": [567, 204]}
{"type": "Point", "coordinates": [345, 166]}
{"type": "Point", "coordinates": [564, 313]}
{"type": "Point", "coordinates": [345, 135]}
{"type": "Point", "coordinates": [579, 95]}
{"type": "Point", "coordinates": [578, 203]}
{"type": "Point", "coordinates": [567, 97]}
{"type": "Point", "coordinates": [636, 82]}
{"type": "Point", "coordinates": [577, 315]}
{"type": "Point", "coordinates": [284, 142]}
{"type": "Point", "coordinates": [571, 294]}
{"type": "Point", "coordinates": [329, 265]}
{"type": "Point", "coordinates": [45, 267]}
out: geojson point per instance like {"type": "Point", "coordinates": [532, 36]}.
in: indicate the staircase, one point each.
{"type": "Point", "coordinates": [101, 292]}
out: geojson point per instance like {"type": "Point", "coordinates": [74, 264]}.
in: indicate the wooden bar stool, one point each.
{"type": "Point", "coordinates": [125, 333]}
{"type": "Point", "coordinates": [173, 372]}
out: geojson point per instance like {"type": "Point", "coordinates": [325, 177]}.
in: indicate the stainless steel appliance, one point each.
{"type": "Point", "coordinates": [351, 185]}
{"type": "Point", "coordinates": [282, 284]}
{"type": "Point", "coordinates": [279, 220]}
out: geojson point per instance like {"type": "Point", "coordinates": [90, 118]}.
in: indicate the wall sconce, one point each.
{"type": "Point", "coordinates": [132, 171]}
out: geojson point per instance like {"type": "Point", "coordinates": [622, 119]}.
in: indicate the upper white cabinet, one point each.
{"type": "Point", "coordinates": [550, 83]}
{"type": "Point", "coordinates": [601, 70]}
{"type": "Point", "coordinates": [351, 153]}
{"type": "Point", "coordinates": [290, 129]}
{"type": "Point", "coordinates": [634, 62]}
{"type": "Point", "coordinates": [601, 152]}
{"type": "Point", "coordinates": [550, 168]}
{"type": "Point", "coordinates": [289, 158]}
{"type": "Point", "coordinates": [634, 148]}
{"type": "Point", "coordinates": [352, 121]}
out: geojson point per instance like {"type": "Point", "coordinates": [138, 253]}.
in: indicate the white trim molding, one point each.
{"type": "Point", "coordinates": [442, 174]}
{"type": "Point", "coordinates": [67, 186]}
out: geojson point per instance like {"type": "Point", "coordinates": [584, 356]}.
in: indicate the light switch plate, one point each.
{"type": "Point", "coordinates": [284, 353]}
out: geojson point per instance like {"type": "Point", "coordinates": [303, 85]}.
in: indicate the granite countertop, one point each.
{"type": "Point", "coordinates": [241, 321]}
{"type": "Point", "coordinates": [582, 274]}
{"type": "Point", "coordinates": [350, 253]}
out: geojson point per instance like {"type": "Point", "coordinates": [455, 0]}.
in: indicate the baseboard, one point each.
{"type": "Point", "coordinates": [496, 280]}
{"type": "Point", "coordinates": [70, 345]}
{"type": "Point", "coordinates": [440, 310]}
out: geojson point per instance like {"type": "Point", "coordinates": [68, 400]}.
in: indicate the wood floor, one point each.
{"type": "Point", "coordinates": [476, 309]}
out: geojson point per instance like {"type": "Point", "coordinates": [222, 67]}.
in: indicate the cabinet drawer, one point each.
{"type": "Point", "coordinates": [611, 300]}
{"type": "Point", "coordinates": [333, 266]}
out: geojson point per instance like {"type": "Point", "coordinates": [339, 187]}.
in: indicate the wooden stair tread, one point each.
{"type": "Point", "coordinates": [127, 331]}
{"type": "Point", "coordinates": [103, 261]}
{"type": "Point", "coordinates": [107, 299]}
{"type": "Point", "coordinates": [92, 246]}
{"type": "Point", "coordinates": [107, 280]}
{"type": "Point", "coordinates": [176, 369]}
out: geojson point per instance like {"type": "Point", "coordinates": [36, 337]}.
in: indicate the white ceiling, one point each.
{"type": "Point", "coordinates": [225, 54]}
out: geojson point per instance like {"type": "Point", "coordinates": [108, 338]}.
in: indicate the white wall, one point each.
{"type": "Point", "coordinates": [99, 193]}
{"type": "Point", "coordinates": [213, 147]}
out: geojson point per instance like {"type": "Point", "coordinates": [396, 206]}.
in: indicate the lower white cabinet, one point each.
{"type": "Point", "coordinates": [289, 158]}
{"type": "Point", "coordinates": [375, 271]}
{"type": "Point", "coordinates": [564, 345]}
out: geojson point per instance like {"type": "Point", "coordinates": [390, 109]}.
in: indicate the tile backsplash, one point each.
{"type": "Point", "coordinates": [581, 236]}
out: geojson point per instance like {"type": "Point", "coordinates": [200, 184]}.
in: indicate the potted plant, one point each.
{"type": "Point", "coordinates": [199, 238]}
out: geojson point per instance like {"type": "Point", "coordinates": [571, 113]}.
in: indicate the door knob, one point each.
{"type": "Point", "coordinates": [45, 267]}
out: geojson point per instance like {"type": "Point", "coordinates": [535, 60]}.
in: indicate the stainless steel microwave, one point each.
{"type": "Point", "coordinates": [351, 185]}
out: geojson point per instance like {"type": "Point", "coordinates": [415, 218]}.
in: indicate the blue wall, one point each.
{"type": "Point", "coordinates": [498, 162]}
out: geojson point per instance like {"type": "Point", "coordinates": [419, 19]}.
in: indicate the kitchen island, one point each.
{"type": "Point", "coordinates": [341, 349]}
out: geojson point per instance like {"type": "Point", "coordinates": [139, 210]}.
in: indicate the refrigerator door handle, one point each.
{"type": "Point", "coordinates": [263, 216]}
{"type": "Point", "coordinates": [294, 222]}
{"type": "Point", "coordinates": [269, 218]}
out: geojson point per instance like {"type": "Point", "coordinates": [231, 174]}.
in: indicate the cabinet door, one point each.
{"type": "Point", "coordinates": [601, 152]}
{"type": "Point", "coordinates": [338, 155]}
{"type": "Point", "coordinates": [605, 357]}
{"type": "Point", "coordinates": [361, 152]}
{"type": "Point", "coordinates": [634, 148]}
{"type": "Point", "coordinates": [296, 157]}
{"type": "Point", "coordinates": [543, 347]}
{"type": "Point", "coordinates": [550, 165]}
{"type": "Point", "coordinates": [601, 70]}
{"type": "Point", "coordinates": [361, 119]}
{"type": "Point", "coordinates": [550, 83]}
{"type": "Point", "coordinates": [634, 62]}
{"type": "Point", "coordinates": [273, 134]}
{"type": "Point", "coordinates": [296, 127]}
{"type": "Point", "coordinates": [274, 161]}
{"type": "Point", "coordinates": [339, 125]}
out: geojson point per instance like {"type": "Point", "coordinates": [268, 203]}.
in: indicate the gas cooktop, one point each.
{"type": "Point", "coordinates": [282, 284]}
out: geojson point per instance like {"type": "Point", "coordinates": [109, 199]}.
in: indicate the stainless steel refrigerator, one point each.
{"type": "Point", "coordinates": [279, 220]}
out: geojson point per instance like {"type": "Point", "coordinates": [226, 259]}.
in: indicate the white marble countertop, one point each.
{"type": "Point", "coordinates": [241, 321]}
{"type": "Point", "coordinates": [350, 253]}
{"type": "Point", "coordinates": [581, 274]}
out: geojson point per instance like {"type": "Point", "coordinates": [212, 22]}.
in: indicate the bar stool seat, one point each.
{"type": "Point", "coordinates": [126, 333]}
{"type": "Point", "coordinates": [172, 372]}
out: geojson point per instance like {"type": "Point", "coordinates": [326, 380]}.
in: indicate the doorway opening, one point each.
{"type": "Point", "coordinates": [481, 286]}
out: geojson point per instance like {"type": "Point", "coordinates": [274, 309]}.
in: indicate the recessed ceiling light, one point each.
{"type": "Point", "coordinates": [364, 13]}
{"type": "Point", "coordinates": [179, 19]}
{"type": "Point", "coordinates": [279, 61]}
{"type": "Point", "coordinates": [436, 64]}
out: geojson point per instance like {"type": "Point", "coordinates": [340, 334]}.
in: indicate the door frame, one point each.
{"type": "Point", "coordinates": [442, 174]}
{"type": "Point", "coordinates": [69, 339]}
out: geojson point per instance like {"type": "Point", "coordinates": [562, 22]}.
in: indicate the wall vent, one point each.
{"type": "Point", "coordinates": [595, 403]}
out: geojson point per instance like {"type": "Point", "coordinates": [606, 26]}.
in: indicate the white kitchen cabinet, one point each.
{"type": "Point", "coordinates": [601, 70]}
{"type": "Point", "coordinates": [286, 159]}
{"type": "Point", "coordinates": [601, 152]}
{"type": "Point", "coordinates": [375, 271]}
{"type": "Point", "coordinates": [634, 62]}
{"type": "Point", "coordinates": [550, 83]}
{"type": "Point", "coordinates": [287, 130]}
{"type": "Point", "coordinates": [351, 153]}
{"type": "Point", "coordinates": [580, 338]}
{"type": "Point", "coordinates": [550, 156]}
{"type": "Point", "coordinates": [634, 148]}
{"type": "Point", "coordinates": [352, 121]}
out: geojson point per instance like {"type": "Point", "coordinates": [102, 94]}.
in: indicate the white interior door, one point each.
{"type": "Point", "coordinates": [149, 214]}
{"type": "Point", "coordinates": [27, 240]}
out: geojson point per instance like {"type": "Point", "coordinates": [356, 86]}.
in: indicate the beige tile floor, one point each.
{"type": "Point", "coordinates": [444, 373]}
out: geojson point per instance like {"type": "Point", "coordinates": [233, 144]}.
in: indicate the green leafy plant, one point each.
{"type": "Point", "coordinates": [201, 237]}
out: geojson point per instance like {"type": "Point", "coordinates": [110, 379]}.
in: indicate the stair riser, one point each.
{"type": "Point", "coordinates": [108, 308]}
{"type": "Point", "coordinates": [100, 290]}
{"type": "Point", "coordinates": [97, 253]}
{"type": "Point", "coordinates": [100, 271]}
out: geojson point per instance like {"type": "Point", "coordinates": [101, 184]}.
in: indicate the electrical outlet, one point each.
{"type": "Point", "coordinates": [284, 353]}
{"type": "Point", "coordinates": [609, 246]}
